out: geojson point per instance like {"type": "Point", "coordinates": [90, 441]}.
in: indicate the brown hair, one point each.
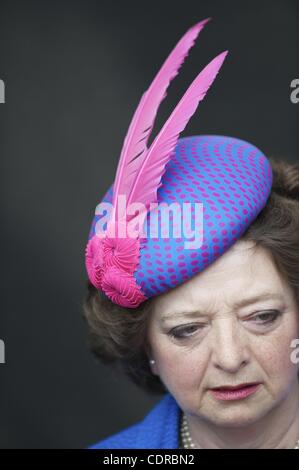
{"type": "Point", "coordinates": [118, 335]}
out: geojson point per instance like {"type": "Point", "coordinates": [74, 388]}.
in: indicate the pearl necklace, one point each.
{"type": "Point", "coordinates": [187, 440]}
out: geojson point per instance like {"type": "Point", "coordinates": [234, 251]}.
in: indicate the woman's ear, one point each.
{"type": "Point", "coordinates": [153, 366]}
{"type": "Point", "coordinates": [151, 360]}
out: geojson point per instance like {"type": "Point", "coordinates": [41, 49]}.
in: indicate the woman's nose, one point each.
{"type": "Point", "coordinates": [230, 348]}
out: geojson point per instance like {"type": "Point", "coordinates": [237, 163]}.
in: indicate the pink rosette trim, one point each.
{"type": "Point", "coordinates": [122, 253]}
{"type": "Point", "coordinates": [119, 248]}
{"type": "Point", "coordinates": [94, 260]}
{"type": "Point", "coordinates": [121, 288]}
{"type": "Point", "coordinates": [111, 261]}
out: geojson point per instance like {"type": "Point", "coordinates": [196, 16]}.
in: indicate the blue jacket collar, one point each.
{"type": "Point", "coordinates": [160, 427]}
{"type": "Point", "coordinates": [158, 430]}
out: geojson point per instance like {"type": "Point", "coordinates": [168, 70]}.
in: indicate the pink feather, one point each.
{"type": "Point", "coordinates": [134, 147]}
{"type": "Point", "coordinates": [148, 179]}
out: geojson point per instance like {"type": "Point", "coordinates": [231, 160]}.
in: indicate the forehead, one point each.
{"type": "Point", "coordinates": [243, 269]}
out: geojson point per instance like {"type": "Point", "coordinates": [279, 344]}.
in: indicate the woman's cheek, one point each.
{"type": "Point", "coordinates": [275, 356]}
{"type": "Point", "coordinates": [181, 368]}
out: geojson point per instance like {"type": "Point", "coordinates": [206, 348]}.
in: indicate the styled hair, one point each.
{"type": "Point", "coordinates": [119, 335]}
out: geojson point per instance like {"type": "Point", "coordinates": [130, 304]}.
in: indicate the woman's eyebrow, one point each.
{"type": "Point", "coordinates": [195, 313]}
{"type": "Point", "coordinates": [241, 303]}
{"type": "Point", "coordinates": [258, 297]}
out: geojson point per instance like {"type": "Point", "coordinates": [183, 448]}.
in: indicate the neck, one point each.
{"type": "Point", "coordinates": [279, 429]}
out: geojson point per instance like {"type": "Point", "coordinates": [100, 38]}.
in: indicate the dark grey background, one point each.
{"type": "Point", "coordinates": [74, 73]}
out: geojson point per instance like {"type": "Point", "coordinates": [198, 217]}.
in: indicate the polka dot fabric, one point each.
{"type": "Point", "coordinates": [232, 180]}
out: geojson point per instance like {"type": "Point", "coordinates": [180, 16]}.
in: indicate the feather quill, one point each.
{"type": "Point", "coordinates": [134, 148]}
{"type": "Point", "coordinates": [148, 178]}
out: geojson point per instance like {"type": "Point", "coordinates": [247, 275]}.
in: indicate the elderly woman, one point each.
{"type": "Point", "coordinates": [210, 324]}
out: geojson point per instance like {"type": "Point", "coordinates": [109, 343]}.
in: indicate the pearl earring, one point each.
{"type": "Point", "coordinates": [152, 361]}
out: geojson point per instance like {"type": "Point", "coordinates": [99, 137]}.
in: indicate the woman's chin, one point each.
{"type": "Point", "coordinates": [235, 419]}
{"type": "Point", "coordinates": [237, 414]}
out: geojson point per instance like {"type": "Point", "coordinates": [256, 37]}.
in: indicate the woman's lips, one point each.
{"type": "Point", "coordinates": [234, 393]}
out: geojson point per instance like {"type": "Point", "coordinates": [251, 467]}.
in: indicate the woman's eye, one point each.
{"type": "Point", "coordinates": [184, 332]}
{"type": "Point", "coordinates": [266, 317]}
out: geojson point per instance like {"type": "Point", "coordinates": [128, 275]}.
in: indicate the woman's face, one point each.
{"type": "Point", "coordinates": [231, 324]}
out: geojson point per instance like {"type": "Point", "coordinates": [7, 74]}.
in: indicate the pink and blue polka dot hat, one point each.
{"type": "Point", "coordinates": [187, 200]}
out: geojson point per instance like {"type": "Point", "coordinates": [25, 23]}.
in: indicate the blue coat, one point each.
{"type": "Point", "coordinates": [158, 430]}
